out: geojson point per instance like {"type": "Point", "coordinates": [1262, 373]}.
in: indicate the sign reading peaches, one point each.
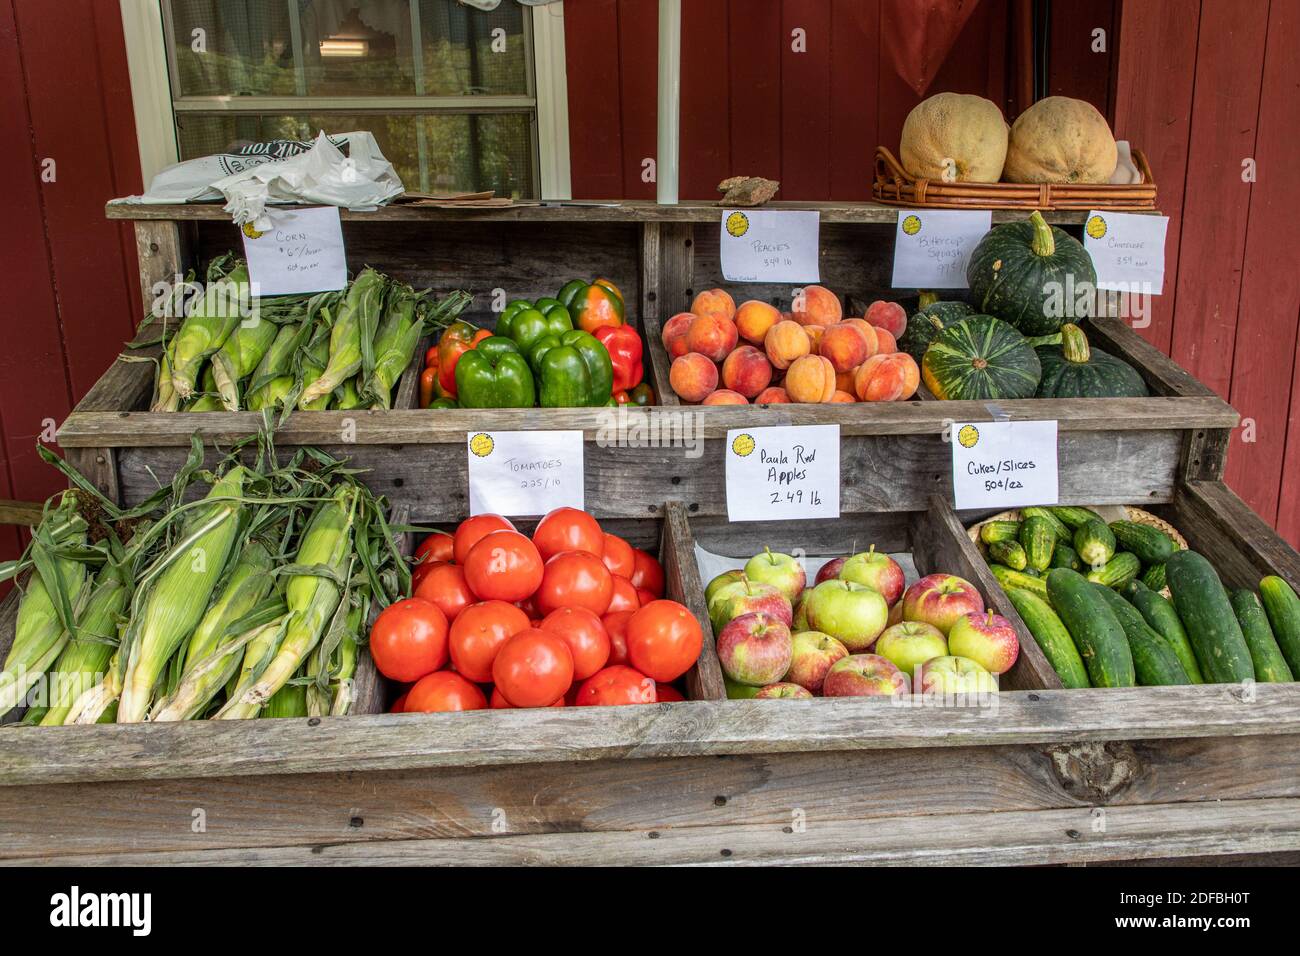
{"type": "Point", "coordinates": [1004, 464]}
{"type": "Point", "coordinates": [783, 472]}
{"type": "Point", "coordinates": [931, 246]}
{"type": "Point", "coordinates": [769, 245]}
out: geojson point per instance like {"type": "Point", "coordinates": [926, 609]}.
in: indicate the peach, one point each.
{"type": "Point", "coordinates": [891, 377]}
{"type": "Point", "coordinates": [839, 396]}
{"type": "Point", "coordinates": [814, 333]}
{"type": "Point", "coordinates": [693, 377]}
{"type": "Point", "coordinates": [747, 371]}
{"type": "Point", "coordinates": [846, 346]}
{"type": "Point", "coordinates": [785, 342]}
{"type": "Point", "coordinates": [810, 380]}
{"type": "Point", "coordinates": [885, 342]}
{"type": "Point", "coordinates": [674, 333]}
{"type": "Point", "coordinates": [889, 316]}
{"type": "Point", "coordinates": [715, 302]}
{"type": "Point", "coordinates": [754, 318]}
{"type": "Point", "coordinates": [817, 305]}
{"type": "Point", "coordinates": [870, 331]}
{"type": "Point", "coordinates": [725, 396]}
{"type": "Point", "coordinates": [711, 336]}
{"type": "Point", "coordinates": [772, 395]}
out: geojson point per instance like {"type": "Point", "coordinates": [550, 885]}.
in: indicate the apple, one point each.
{"type": "Point", "coordinates": [812, 655]}
{"type": "Point", "coordinates": [850, 613]}
{"type": "Point", "coordinates": [746, 597]}
{"type": "Point", "coordinates": [940, 599]}
{"type": "Point", "coordinates": [737, 691]}
{"type": "Point", "coordinates": [779, 690]}
{"type": "Point", "coordinates": [755, 649]}
{"type": "Point", "coordinates": [780, 570]}
{"type": "Point", "coordinates": [951, 675]}
{"type": "Point", "coordinates": [910, 644]}
{"type": "Point", "coordinates": [721, 581]}
{"type": "Point", "coordinates": [800, 620]}
{"type": "Point", "coordinates": [875, 570]}
{"type": "Point", "coordinates": [988, 639]}
{"type": "Point", "coordinates": [895, 614]}
{"type": "Point", "coordinates": [830, 570]}
{"type": "Point", "coordinates": [864, 675]}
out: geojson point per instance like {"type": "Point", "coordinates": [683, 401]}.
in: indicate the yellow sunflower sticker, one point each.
{"type": "Point", "coordinates": [252, 233]}
{"type": "Point", "coordinates": [912, 225]}
{"type": "Point", "coordinates": [743, 445]}
{"type": "Point", "coordinates": [969, 436]}
{"type": "Point", "coordinates": [1096, 227]}
{"type": "Point", "coordinates": [737, 224]}
{"type": "Point", "coordinates": [482, 444]}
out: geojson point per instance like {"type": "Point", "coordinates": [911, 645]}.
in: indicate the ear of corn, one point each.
{"type": "Point", "coordinates": [239, 357]}
{"type": "Point", "coordinates": [272, 379]}
{"type": "Point", "coordinates": [207, 327]}
{"type": "Point", "coordinates": [165, 397]}
{"type": "Point", "coordinates": [348, 397]}
{"type": "Point", "coordinates": [395, 342]}
{"type": "Point", "coordinates": [96, 701]}
{"type": "Point", "coordinates": [207, 402]}
{"type": "Point", "coordinates": [83, 662]}
{"type": "Point", "coordinates": [352, 336]}
{"type": "Point", "coordinates": [178, 594]}
{"type": "Point", "coordinates": [316, 356]}
{"type": "Point", "coordinates": [289, 701]}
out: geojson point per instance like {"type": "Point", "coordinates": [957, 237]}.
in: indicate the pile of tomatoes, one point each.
{"type": "Point", "coordinates": [573, 615]}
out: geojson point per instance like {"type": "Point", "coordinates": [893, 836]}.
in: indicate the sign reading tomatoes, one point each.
{"type": "Point", "coordinates": [524, 473]}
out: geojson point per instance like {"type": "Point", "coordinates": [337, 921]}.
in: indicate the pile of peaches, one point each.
{"type": "Point", "coordinates": [727, 355]}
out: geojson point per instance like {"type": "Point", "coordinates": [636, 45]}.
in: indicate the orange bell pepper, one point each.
{"type": "Point", "coordinates": [458, 339]}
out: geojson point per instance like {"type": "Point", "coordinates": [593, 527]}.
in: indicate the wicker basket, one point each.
{"type": "Point", "coordinates": [895, 187]}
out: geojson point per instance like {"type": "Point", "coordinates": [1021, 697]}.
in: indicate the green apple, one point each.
{"type": "Point", "coordinates": [852, 614]}
{"type": "Point", "coordinates": [875, 570]}
{"type": "Point", "coordinates": [745, 597]}
{"type": "Point", "coordinates": [721, 581]}
{"type": "Point", "coordinates": [951, 675]}
{"type": "Point", "coordinates": [736, 691]}
{"type": "Point", "coordinates": [910, 644]}
{"type": "Point", "coordinates": [779, 570]}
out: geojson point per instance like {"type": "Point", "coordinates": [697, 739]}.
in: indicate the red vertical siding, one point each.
{"type": "Point", "coordinates": [752, 115]}
{"type": "Point", "coordinates": [595, 106]}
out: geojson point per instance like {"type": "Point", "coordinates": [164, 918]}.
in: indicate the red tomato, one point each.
{"type": "Point", "coordinates": [478, 633]}
{"type": "Point", "coordinates": [568, 529]}
{"type": "Point", "coordinates": [618, 556]}
{"type": "Point", "coordinates": [471, 529]}
{"type": "Point", "coordinates": [667, 693]}
{"type": "Point", "coordinates": [616, 628]}
{"type": "Point", "coordinates": [575, 579]}
{"type": "Point", "coordinates": [625, 596]}
{"type": "Point", "coordinates": [443, 691]}
{"type": "Point", "coordinates": [436, 547]}
{"type": "Point", "coordinates": [503, 566]}
{"type": "Point", "coordinates": [614, 685]}
{"type": "Point", "coordinates": [533, 669]}
{"type": "Point", "coordinates": [645, 596]}
{"type": "Point", "coordinates": [663, 640]}
{"type": "Point", "coordinates": [399, 705]}
{"type": "Point", "coordinates": [648, 573]}
{"type": "Point", "coordinates": [499, 702]}
{"type": "Point", "coordinates": [409, 639]}
{"type": "Point", "coordinates": [585, 635]}
{"type": "Point", "coordinates": [445, 586]}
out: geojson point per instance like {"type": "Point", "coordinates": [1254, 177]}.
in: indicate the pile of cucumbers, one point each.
{"type": "Point", "coordinates": [1091, 594]}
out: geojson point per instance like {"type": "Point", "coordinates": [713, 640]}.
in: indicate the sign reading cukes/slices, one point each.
{"type": "Point", "coordinates": [931, 246]}
{"type": "Point", "coordinates": [525, 473]}
{"type": "Point", "coordinates": [1004, 464]}
{"type": "Point", "coordinates": [770, 245]}
{"type": "Point", "coordinates": [296, 250]}
{"type": "Point", "coordinates": [783, 472]}
{"type": "Point", "coordinates": [1127, 250]}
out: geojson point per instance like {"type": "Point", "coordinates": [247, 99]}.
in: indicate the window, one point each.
{"type": "Point", "coordinates": [448, 90]}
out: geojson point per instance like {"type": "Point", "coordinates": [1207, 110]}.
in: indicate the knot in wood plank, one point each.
{"type": "Point", "coordinates": [1095, 772]}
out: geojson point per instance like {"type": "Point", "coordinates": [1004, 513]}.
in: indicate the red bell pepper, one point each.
{"type": "Point", "coordinates": [458, 339]}
{"type": "Point", "coordinates": [624, 347]}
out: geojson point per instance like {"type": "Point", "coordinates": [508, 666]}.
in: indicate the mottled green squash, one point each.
{"type": "Point", "coordinates": [979, 358]}
{"type": "Point", "coordinates": [924, 326]}
{"type": "Point", "coordinates": [1074, 370]}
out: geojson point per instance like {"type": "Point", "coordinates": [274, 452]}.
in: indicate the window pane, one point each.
{"type": "Point", "coordinates": [349, 48]}
{"type": "Point", "coordinates": [443, 153]}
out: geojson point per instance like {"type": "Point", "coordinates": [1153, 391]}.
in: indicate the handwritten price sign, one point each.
{"type": "Point", "coordinates": [297, 251]}
{"type": "Point", "coordinates": [1004, 464]}
{"type": "Point", "coordinates": [525, 473]}
{"type": "Point", "coordinates": [768, 245]}
{"type": "Point", "coordinates": [783, 472]}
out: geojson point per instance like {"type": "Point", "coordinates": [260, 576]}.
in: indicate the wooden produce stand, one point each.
{"type": "Point", "coordinates": [1042, 775]}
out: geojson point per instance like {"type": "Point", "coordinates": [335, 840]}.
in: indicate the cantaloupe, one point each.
{"type": "Point", "coordinates": [1060, 140]}
{"type": "Point", "coordinates": [954, 137]}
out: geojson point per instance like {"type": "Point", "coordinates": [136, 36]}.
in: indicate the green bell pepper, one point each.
{"type": "Point", "coordinates": [598, 363]}
{"type": "Point", "coordinates": [495, 375]}
{"type": "Point", "coordinates": [564, 380]}
{"type": "Point", "coordinates": [529, 325]}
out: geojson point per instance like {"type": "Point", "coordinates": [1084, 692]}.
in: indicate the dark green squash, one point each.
{"type": "Point", "coordinates": [924, 326]}
{"type": "Point", "coordinates": [1032, 275]}
{"type": "Point", "coordinates": [1073, 370]}
{"type": "Point", "coordinates": [981, 357]}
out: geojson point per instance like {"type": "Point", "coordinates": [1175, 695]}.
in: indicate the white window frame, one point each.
{"type": "Point", "coordinates": [155, 121]}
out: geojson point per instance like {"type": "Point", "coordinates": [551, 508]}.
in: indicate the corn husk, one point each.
{"type": "Point", "coordinates": [347, 397]}
{"type": "Point", "coordinates": [289, 701]}
{"type": "Point", "coordinates": [206, 402]}
{"type": "Point", "coordinates": [96, 701]}
{"type": "Point", "coordinates": [239, 357]}
{"type": "Point", "coordinates": [165, 397]}
{"type": "Point", "coordinates": [207, 327]}
{"type": "Point", "coordinates": [316, 357]}
{"type": "Point", "coordinates": [395, 341]}
{"type": "Point", "coordinates": [84, 661]}
{"type": "Point", "coordinates": [352, 335]}
{"type": "Point", "coordinates": [272, 380]}
{"type": "Point", "coordinates": [177, 595]}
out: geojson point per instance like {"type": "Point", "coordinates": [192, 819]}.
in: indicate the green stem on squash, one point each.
{"type": "Point", "coordinates": [1044, 243]}
{"type": "Point", "coordinates": [1074, 344]}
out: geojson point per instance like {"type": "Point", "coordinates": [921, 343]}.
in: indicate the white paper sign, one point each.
{"type": "Point", "coordinates": [302, 251]}
{"type": "Point", "coordinates": [931, 246]}
{"type": "Point", "coordinates": [524, 473]}
{"type": "Point", "coordinates": [783, 472]}
{"type": "Point", "coordinates": [769, 245]}
{"type": "Point", "coordinates": [1004, 464]}
{"type": "Point", "coordinates": [1127, 250]}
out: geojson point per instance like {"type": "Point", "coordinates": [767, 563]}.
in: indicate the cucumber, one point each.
{"type": "Point", "coordinates": [994, 531]}
{"type": "Point", "coordinates": [1203, 607]}
{"type": "Point", "coordinates": [1074, 518]}
{"type": "Point", "coordinates": [1097, 633]}
{"type": "Point", "coordinates": [1058, 526]}
{"type": "Point", "coordinates": [1270, 666]}
{"type": "Point", "coordinates": [1116, 572]}
{"type": "Point", "coordinates": [1009, 553]}
{"type": "Point", "coordinates": [1151, 545]}
{"type": "Point", "coordinates": [1064, 556]}
{"type": "Point", "coordinates": [1051, 635]}
{"type": "Point", "coordinates": [1038, 539]}
{"type": "Point", "coordinates": [1094, 542]}
{"type": "Point", "coordinates": [1162, 617]}
{"type": "Point", "coordinates": [1154, 577]}
{"type": "Point", "coordinates": [1154, 661]}
{"type": "Point", "coordinates": [1010, 579]}
{"type": "Point", "coordinates": [1283, 609]}
{"type": "Point", "coordinates": [1032, 572]}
